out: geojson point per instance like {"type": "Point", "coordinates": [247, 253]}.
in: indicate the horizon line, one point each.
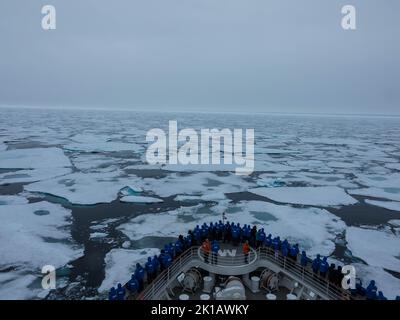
{"type": "Point", "coordinates": [121, 109]}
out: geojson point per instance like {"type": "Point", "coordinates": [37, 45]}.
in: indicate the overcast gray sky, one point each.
{"type": "Point", "coordinates": [202, 55]}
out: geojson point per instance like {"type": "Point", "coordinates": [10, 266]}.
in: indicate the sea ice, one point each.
{"type": "Point", "coordinates": [140, 199]}
{"type": "Point", "coordinates": [33, 235]}
{"type": "Point", "coordinates": [15, 286]}
{"type": "Point", "coordinates": [32, 175]}
{"type": "Point", "coordinates": [4, 200]}
{"type": "Point", "coordinates": [195, 184]}
{"type": "Point", "coordinates": [385, 282]}
{"type": "Point", "coordinates": [390, 205]}
{"type": "Point", "coordinates": [38, 164]}
{"type": "Point", "coordinates": [314, 229]}
{"type": "Point", "coordinates": [380, 248]}
{"type": "Point", "coordinates": [94, 142]}
{"type": "Point", "coordinates": [34, 158]}
{"type": "Point", "coordinates": [380, 181]}
{"type": "Point", "coordinates": [36, 235]}
{"type": "Point", "coordinates": [121, 263]}
{"type": "Point", "coordinates": [96, 235]}
{"type": "Point", "coordinates": [385, 193]}
{"type": "Point", "coordinates": [315, 196]}
{"type": "Point", "coordinates": [83, 188]}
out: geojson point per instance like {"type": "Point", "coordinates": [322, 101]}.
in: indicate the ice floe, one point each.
{"type": "Point", "coordinates": [140, 199]}
{"type": "Point", "coordinates": [96, 235]}
{"type": "Point", "coordinates": [32, 236]}
{"type": "Point", "coordinates": [385, 282]}
{"type": "Point", "coordinates": [4, 200]}
{"type": "Point", "coordinates": [385, 193]}
{"type": "Point", "coordinates": [195, 184]}
{"type": "Point", "coordinates": [315, 229]}
{"type": "Point", "coordinates": [315, 196]}
{"type": "Point", "coordinates": [32, 175]}
{"type": "Point", "coordinates": [380, 248]}
{"type": "Point", "coordinates": [34, 158]}
{"type": "Point", "coordinates": [36, 164]}
{"type": "Point", "coordinates": [92, 142]}
{"type": "Point", "coordinates": [121, 263]}
{"type": "Point", "coordinates": [16, 286]}
{"type": "Point", "coordinates": [379, 181]}
{"type": "Point", "coordinates": [390, 205]}
{"type": "Point", "coordinates": [36, 235]}
{"type": "Point", "coordinates": [83, 188]}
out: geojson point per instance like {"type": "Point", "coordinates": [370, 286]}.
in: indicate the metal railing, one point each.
{"type": "Point", "coordinates": [237, 260]}
{"type": "Point", "coordinates": [305, 275]}
{"type": "Point", "coordinates": [194, 256]}
{"type": "Point", "coordinates": [156, 288]}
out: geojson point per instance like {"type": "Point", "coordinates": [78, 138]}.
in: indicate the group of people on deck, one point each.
{"type": "Point", "coordinates": [209, 237]}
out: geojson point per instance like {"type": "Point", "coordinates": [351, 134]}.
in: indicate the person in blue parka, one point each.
{"type": "Point", "coordinates": [156, 264]}
{"type": "Point", "coordinates": [204, 231]}
{"type": "Point", "coordinates": [214, 252]}
{"type": "Point", "coordinates": [120, 292]}
{"type": "Point", "coordinates": [284, 248]}
{"type": "Point", "coordinates": [235, 235]}
{"type": "Point", "coordinates": [268, 241]}
{"type": "Point", "coordinates": [294, 251]}
{"type": "Point", "coordinates": [316, 263]}
{"type": "Point", "coordinates": [139, 275]}
{"type": "Point", "coordinates": [166, 260]}
{"type": "Point", "coordinates": [262, 236]}
{"type": "Point", "coordinates": [371, 290]}
{"type": "Point", "coordinates": [133, 284]}
{"type": "Point", "coordinates": [197, 236]}
{"type": "Point", "coordinates": [189, 241]}
{"type": "Point", "coordinates": [179, 247]}
{"type": "Point", "coordinates": [167, 248]}
{"type": "Point", "coordinates": [276, 243]}
{"type": "Point", "coordinates": [149, 266]}
{"type": "Point", "coordinates": [323, 267]}
{"type": "Point", "coordinates": [112, 294]}
{"type": "Point", "coordinates": [303, 259]}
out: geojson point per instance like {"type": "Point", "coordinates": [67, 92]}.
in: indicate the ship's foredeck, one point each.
{"type": "Point", "coordinates": [231, 262]}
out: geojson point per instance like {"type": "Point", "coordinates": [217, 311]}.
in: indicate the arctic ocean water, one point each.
{"type": "Point", "coordinates": [76, 192]}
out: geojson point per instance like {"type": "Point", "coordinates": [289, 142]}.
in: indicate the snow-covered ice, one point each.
{"type": "Point", "coordinates": [313, 196]}
{"type": "Point", "coordinates": [32, 236]}
{"type": "Point", "coordinates": [34, 158]}
{"type": "Point", "coordinates": [315, 229]}
{"type": "Point", "coordinates": [37, 234]}
{"type": "Point", "coordinates": [385, 282]}
{"type": "Point", "coordinates": [4, 200]}
{"type": "Point", "coordinates": [94, 142]}
{"type": "Point", "coordinates": [121, 263]}
{"type": "Point", "coordinates": [84, 188]}
{"type": "Point", "coordinates": [385, 193]}
{"type": "Point", "coordinates": [380, 248]}
{"type": "Point", "coordinates": [390, 205]}
{"type": "Point", "coordinates": [140, 199]}
{"type": "Point", "coordinates": [36, 164]}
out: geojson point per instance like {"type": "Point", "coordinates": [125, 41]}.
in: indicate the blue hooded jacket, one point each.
{"type": "Point", "coordinates": [112, 294]}
{"type": "Point", "coordinates": [133, 284]}
{"type": "Point", "coordinates": [120, 292]}
{"type": "Point", "coordinates": [323, 267]}
{"type": "Point", "coordinates": [316, 263]}
{"type": "Point", "coordinates": [149, 266]}
{"type": "Point", "coordinates": [304, 259]}
{"type": "Point", "coordinates": [139, 272]}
